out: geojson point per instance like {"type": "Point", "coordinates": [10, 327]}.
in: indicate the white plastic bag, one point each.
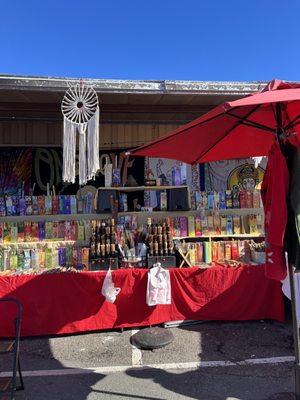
{"type": "Point", "coordinates": [159, 286]}
{"type": "Point", "coordinates": [109, 291]}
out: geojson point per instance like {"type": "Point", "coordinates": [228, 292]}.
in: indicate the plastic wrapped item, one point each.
{"type": "Point", "coordinates": [158, 286]}
{"type": "Point", "coordinates": [109, 291]}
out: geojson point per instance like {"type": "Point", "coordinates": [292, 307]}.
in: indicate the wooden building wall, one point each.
{"type": "Point", "coordinates": [112, 136]}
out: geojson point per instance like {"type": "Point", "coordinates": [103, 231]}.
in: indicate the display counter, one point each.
{"type": "Point", "coordinates": [64, 303]}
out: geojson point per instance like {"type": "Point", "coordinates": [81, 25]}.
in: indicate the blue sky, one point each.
{"type": "Point", "coordinates": [154, 39]}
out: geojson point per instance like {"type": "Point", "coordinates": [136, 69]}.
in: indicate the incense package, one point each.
{"type": "Point", "coordinates": [28, 205]}
{"type": "Point", "coordinates": [235, 199]}
{"type": "Point", "coordinates": [249, 199]}
{"type": "Point", "coordinates": [256, 199]}
{"type": "Point", "coordinates": [199, 248]}
{"type": "Point", "coordinates": [198, 226]}
{"type": "Point", "coordinates": [222, 200]}
{"type": "Point", "coordinates": [204, 225]}
{"type": "Point", "coordinates": [62, 259]}
{"type": "Point", "coordinates": [55, 205]}
{"type": "Point", "coordinates": [14, 232]}
{"type": "Point", "coordinates": [210, 200]}
{"type": "Point", "coordinates": [21, 233]}
{"type": "Point", "coordinates": [15, 205]}
{"type": "Point", "coordinates": [85, 258]}
{"type": "Point", "coordinates": [48, 205]}
{"type": "Point", "coordinates": [42, 230]}
{"type": "Point", "coordinates": [27, 231]}
{"type": "Point", "coordinates": [234, 250]}
{"type": "Point", "coordinates": [67, 205]}
{"type": "Point", "coordinates": [223, 225]}
{"type": "Point", "coordinates": [2, 207]}
{"type": "Point", "coordinates": [243, 199]}
{"type": "Point", "coordinates": [9, 205]}
{"type": "Point", "coordinates": [34, 259]}
{"type": "Point", "coordinates": [116, 177]}
{"type": "Point", "coordinates": [227, 251]}
{"type": "Point", "coordinates": [191, 225]}
{"type": "Point", "coordinates": [73, 204]}
{"type": "Point", "coordinates": [217, 224]}
{"type": "Point", "coordinates": [210, 224]}
{"type": "Point", "coordinates": [183, 226]}
{"type": "Point", "coordinates": [228, 199]}
{"type": "Point", "coordinates": [229, 225]}
{"type": "Point", "coordinates": [236, 225]}
{"type": "Point", "coordinates": [163, 201]}
{"type": "Point", "coordinates": [214, 251]}
{"type": "Point", "coordinates": [108, 175]}
{"type": "Point", "coordinates": [48, 258]}
{"type": "Point", "coordinates": [55, 230]}
{"type": "Point", "coordinates": [221, 251]}
{"type": "Point", "coordinates": [35, 231]}
{"type": "Point", "coordinates": [48, 230]}
{"type": "Point", "coordinates": [22, 206]}
{"type": "Point", "coordinates": [207, 252]}
{"type": "Point", "coordinates": [204, 200]}
{"type": "Point", "coordinates": [1, 232]}
{"type": "Point", "coordinates": [35, 205]}
{"type": "Point", "coordinates": [41, 205]}
{"type": "Point", "coordinates": [61, 204]}
{"type": "Point", "coordinates": [252, 224]}
{"type": "Point", "coordinates": [80, 232]}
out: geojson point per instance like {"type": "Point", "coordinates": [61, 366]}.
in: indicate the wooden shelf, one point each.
{"type": "Point", "coordinates": [242, 235]}
{"type": "Point", "coordinates": [161, 214]}
{"type": "Point", "coordinates": [140, 188]}
{"type": "Point", "coordinates": [58, 217]}
{"type": "Point", "coordinates": [42, 243]}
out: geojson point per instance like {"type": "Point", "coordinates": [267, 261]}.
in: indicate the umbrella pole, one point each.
{"type": "Point", "coordinates": [295, 332]}
{"type": "Point", "coordinates": [278, 110]}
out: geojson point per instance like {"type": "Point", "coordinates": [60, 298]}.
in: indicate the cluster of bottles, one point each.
{"type": "Point", "coordinates": [159, 239]}
{"type": "Point", "coordinates": [103, 239]}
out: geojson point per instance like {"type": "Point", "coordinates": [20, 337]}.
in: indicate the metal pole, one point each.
{"type": "Point", "coordinates": [292, 283]}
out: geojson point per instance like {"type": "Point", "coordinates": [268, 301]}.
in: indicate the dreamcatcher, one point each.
{"type": "Point", "coordinates": [80, 109]}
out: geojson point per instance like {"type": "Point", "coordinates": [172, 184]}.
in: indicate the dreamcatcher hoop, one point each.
{"type": "Point", "coordinates": [80, 108]}
{"type": "Point", "coordinates": [79, 104]}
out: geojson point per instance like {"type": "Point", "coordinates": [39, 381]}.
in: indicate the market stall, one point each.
{"type": "Point", "coordinates": [54, 245]}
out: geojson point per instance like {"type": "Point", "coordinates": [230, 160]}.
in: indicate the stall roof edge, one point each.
{"type": "Point", "coordinates": [36, 83]}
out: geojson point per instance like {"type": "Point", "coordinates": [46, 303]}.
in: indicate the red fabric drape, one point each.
{"type": "Point", "coordinates": [274, 193]}
{"type": "Point", "coordinates": [69, 303]}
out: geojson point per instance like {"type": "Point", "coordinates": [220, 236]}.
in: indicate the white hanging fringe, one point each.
{"type": "Point", "coordinates": [82, 155]}
{"type": "Point", "coordinates": [80, 108]}
{"type": "Point", "coordinates": [69, 151]}
{"type": "Point", "coordinates": [93, 145]}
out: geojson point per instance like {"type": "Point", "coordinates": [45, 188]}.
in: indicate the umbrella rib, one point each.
{"type": "Point", "coordinates": [246, 121]}
{"type": "Point", "coordinates": [293, 122]}
{"type": "Point", "coordinates": [227, 132]}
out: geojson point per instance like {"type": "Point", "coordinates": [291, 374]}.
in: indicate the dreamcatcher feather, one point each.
{"type": "Point", "coordinates": [80, 109]}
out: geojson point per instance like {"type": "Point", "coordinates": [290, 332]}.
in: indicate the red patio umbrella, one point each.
{"type": "Point", "coordinates": [234, 129]}
{"type": "Point", "coordinates": [239, 129]}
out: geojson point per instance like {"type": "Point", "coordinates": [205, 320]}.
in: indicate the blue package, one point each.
{"type": "Point", "coordinates": [61, 204]}
{"type": "Point", "coordinates": [210, 200]}
{"type": "Point", "coordinates": [42, 230]}
{"type": "Point", "coordinates": [222, 201]}
{"type": "Point", "coordinates": [67, 205]}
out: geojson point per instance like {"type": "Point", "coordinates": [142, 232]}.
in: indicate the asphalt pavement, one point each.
{"type": "Point", "coordinates": [208, 361]}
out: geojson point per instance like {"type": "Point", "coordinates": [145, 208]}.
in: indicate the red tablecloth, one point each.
{"type": "Point", "coordinates": [72, 302]}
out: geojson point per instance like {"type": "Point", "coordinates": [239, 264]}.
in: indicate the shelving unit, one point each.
{"type": "Point", "coordinates": [141, 188]}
